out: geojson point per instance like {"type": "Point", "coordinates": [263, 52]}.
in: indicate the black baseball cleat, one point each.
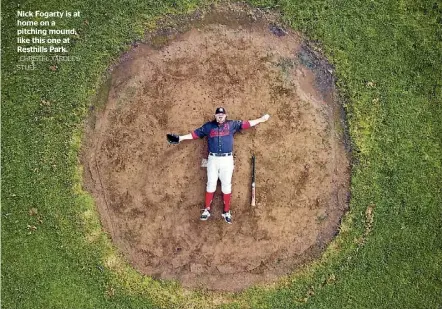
{"type": "Point", "coordinates": [228, 217]}
{"type": "Point", "coordinates": [205, 215]}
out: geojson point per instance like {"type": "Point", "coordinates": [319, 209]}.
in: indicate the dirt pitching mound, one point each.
{"type": "Point", "coordinates": [150, 194]}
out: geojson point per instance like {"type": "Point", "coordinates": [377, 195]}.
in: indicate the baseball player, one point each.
{"type": "Point", "coordinates": [220, 133]}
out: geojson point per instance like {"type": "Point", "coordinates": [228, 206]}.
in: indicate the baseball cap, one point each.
{"type": "Point", "coordinates": [220, 110]}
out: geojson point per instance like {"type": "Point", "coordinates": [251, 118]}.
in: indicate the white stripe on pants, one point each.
{"type": "Point", "coordinates": [222, 168]}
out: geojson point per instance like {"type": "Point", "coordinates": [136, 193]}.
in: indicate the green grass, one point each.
{"type": "Point", "coordinates": [388, 61]}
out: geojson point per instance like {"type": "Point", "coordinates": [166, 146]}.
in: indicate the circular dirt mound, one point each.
{"type": "Point", "coordinates": [150, 194]}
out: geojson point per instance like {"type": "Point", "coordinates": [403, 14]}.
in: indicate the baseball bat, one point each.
{"type": "Point", "coordinates": [253, 202]}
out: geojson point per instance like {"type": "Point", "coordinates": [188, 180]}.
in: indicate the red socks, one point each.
{"type": "Point", "coordinates": [226, 198]}
{"type": "Point", "coordinates": [209, 198]}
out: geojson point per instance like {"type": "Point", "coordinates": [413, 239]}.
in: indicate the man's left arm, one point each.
{"type": "Point", "coordinates": [252, 123]}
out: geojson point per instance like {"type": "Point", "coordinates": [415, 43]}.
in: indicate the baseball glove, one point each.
{"type": "Point", "coordinates": [173, 138]}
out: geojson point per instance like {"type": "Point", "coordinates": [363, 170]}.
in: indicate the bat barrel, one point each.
{"type": "Point", "coordinates": [253, 201]}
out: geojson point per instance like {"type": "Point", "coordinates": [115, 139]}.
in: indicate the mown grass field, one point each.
{"type": "Point", "coordinates": [388, 61]}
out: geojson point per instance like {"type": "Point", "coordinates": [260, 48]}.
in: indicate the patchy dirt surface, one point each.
{"type": "Point", "coordinates": [150, 194]}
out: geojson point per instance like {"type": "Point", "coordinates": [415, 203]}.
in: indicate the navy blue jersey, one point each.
{"type": "Point", "coordinates": [220, 137]}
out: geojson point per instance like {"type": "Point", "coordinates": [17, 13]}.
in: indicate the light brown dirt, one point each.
{"type": "Point", "coordinates": [150, 194]}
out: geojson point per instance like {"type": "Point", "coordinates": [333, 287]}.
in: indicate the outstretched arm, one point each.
{"type": "Point", "coordinates": [176, 139]}
{"type": "Point", "coordinates": [198, 133]}
{"type": "Point", "coordinates": [252, 123]}
{"type": "Point", "coordinates": [187, 136]}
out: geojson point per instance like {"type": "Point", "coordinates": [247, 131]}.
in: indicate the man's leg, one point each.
{"type": "Point", "coordinates": [225, 175]}
{"type": "Point", "coordinates": [226, 200]}
{"type": "Point", "coordinates": [209, 199]}
{"type": "Point", "coordinates": [212, 179]}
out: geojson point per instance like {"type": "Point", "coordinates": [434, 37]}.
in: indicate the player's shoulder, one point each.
{"type": "Point", "coordinates": [208, 123]}
{"type": "Point", "coordinates": [211, 123]}
{"type": "Point", "coordinates": [234, 121]}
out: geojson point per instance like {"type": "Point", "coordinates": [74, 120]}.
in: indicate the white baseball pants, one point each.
{"type": "Point", "coordinates": [222, 168]}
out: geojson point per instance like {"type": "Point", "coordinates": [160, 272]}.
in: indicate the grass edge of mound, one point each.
{"type": "Point", "coordinates": [300, 290]}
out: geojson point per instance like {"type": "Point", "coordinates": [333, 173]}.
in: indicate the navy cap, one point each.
{"type": "Point", "coordinates": [220, 110]}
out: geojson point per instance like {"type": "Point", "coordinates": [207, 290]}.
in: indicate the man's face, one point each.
{"type": "Point", "coordinates": [220, 118]}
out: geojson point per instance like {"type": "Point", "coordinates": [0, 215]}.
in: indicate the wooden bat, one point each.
{"type": "Point", "coordinates": [253, 203]}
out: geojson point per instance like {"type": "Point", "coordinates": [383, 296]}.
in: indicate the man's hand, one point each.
{"type": "Point", "coordinates": [259, 120]}
{"type": "Point", "coordinates": [265, 117]}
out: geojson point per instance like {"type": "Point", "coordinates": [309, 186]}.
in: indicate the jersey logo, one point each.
{"type": "Point", "coordinates": [224, 131]}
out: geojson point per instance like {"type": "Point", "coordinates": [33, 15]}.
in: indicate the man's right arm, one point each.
{"type": "Point", "coordinates": [187, 136]}
{"type": "Point", "coordinates": [198, 133]}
